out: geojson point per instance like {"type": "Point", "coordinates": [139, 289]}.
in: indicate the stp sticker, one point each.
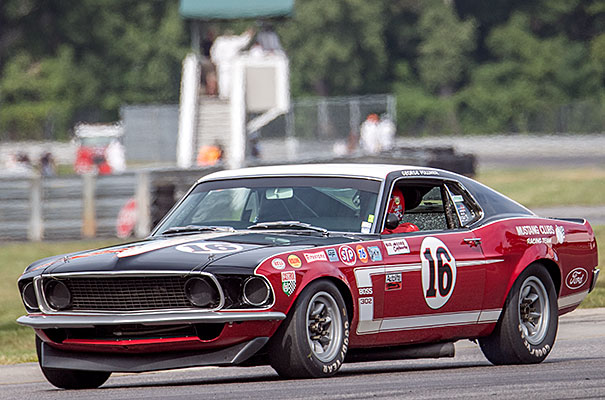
{"type": "Point", "coordinates": [374, 253]}
{"type": "Point", "coordinates": [288, 282]}
{"type": "Point", "coordinates": [576, 278]}
{"type": "Point", "coordinates": [392, 282]}
{"type": "Point", "coordinates": [209, 248]}
{"type": "Point", "coordinates": [294, 261]}
{"type": "Point", "coordinates": [438, 272]}
{"type": "Point", "coordinates": [278, 263]}
{"type": "Point", "coordinates": [332, 254]}
{"type": "Point", "coordinates": [347, 255]}
{"type": "Point", "coordinates": [396, 246]}
{"type": "Point", "coordinates": [361, 252]}
{"type": "Point", "coordinates": [312, 257]}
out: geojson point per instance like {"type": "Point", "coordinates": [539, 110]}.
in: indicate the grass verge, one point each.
{"type": "Point", "coordinates": [544, 187]}
{"type": "Point", "coordinates": [17, 342]}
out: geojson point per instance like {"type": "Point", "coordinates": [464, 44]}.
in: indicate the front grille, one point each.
{"type": "Point", "coordinates": [128, 293]}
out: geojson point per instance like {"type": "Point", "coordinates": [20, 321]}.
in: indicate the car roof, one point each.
{"type": "Point", "coordinates": [368, 171]}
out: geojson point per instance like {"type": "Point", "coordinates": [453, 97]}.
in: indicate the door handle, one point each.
{"type": "Point", "coordinates": [473, 242]}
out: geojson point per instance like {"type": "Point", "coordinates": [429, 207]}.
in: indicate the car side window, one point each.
{"type": "Point", "coordinates": [467, 211]}
{"type": "Point", "coordinates": [418, 207]}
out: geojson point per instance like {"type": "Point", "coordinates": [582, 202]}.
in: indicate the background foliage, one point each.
{"type": "Point", "coordinates": [466, 66]}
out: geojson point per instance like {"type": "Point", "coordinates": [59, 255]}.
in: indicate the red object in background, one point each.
{"type": "Point", "coordinates": [127, 218]}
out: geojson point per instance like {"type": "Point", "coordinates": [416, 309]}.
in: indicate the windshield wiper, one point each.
{"type": "Point", "coordinates": [197, 228]}
{"type": "Point", "coordinates": [288, 225]}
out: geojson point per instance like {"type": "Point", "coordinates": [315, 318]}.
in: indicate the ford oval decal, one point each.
{"type": "Point", "coordinates": [576, 278]}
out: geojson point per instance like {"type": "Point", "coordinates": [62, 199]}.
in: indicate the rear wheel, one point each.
{"type": "Point", "coordinates": [527, 328]}
{"type": "Point", "coordinates": [71, 378]}
{"type": "Point", "coordinates": [313, 340]}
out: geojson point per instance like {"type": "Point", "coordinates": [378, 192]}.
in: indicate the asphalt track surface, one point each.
{"type": "Point", "coordinates": [574, 370]}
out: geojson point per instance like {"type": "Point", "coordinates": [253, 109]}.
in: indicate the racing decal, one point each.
{"type": "Point", "coordinates": [576, 278]}
{"type": "Point", "coordinates": [396, 246]}
{"type": "Point", "coordinates": [288, 282]}
{"type": "Point", "coordinates": [332, 254]}
{"type": "Point", "coordinates": [347, 255]}
{"type": "Point", "coordinates": [374, 253]}
{"type": "Point", "coordinates": [361, 252]}
{"type": "Point", "coordinates": [371, 218]}
{"type": "Point", "coordinates": [366, 291]}
{"type": "Point", "coordinates": [159, 244]}
{"type": "Point", "coordinates": [209, 247]}
{"type": "Point", "coordinates": [560, 233]}
{"type": "Point", "coordinates": [392, 282]}
{"type": "Point", "coordinates": [366, 227]}
{"type": "Point", "coordinates": [422, 172]}
{"type": "Point", "coordinates": [438, 272]}
{"type": "Point", "coordinates": [537, 234]}
{"type": "Point", "coordinates": [294, 261]}
{"type": "Point", "coordinates": [312, 257]}
{"type": "Point", "coordinates": [278, 263]}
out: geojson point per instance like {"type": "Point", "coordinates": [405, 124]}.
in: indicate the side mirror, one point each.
{"type": "Point", "coordinates": [392, 221]}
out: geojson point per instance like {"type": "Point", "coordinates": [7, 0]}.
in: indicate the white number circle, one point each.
{"type": "Point", "coordinates": [209, 247]}
{"type": "Point", "coordinates": [438, 272]}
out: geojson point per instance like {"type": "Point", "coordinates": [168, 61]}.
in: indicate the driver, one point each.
{"type": "Point", "coordinates": [397, 207]}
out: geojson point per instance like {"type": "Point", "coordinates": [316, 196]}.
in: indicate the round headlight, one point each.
{"type": "Point", "coordinates": [57, 294]}
{"type": "Point", "coordinates": [29, 296]}
{"type": "Point", "coordinates": [256, 291]}
{"type": "Point", "coordinates": [202, 293]}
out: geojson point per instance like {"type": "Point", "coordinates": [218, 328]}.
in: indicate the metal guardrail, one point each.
{"type": "Point", "coordinates": [75, 207]}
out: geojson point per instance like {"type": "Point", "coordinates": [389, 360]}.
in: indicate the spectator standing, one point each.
{"type": "Point", "coordinates": [222, 54]}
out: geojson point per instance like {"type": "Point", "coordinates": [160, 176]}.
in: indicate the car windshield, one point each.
{"type": "Point", "coordinates": [336, 204]}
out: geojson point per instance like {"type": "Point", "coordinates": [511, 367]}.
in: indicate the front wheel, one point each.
{"type": "Point", "coordinates": [313, 340]}
{"type": "Point", "coordinates": [71, 378]}
{"type": "Point", "coordinates": [527, 328]}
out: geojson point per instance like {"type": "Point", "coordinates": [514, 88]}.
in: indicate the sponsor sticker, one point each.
{"type": "Point", "coordinates": [294, 261]}
{"type": "Point", "coordinates": [362, 253]}
{"type": "Point", "coordinates": [374, 253]}
{"type": "Point", "coordinates": [371, 218]}
{"type": "Point", "coordinates": [576, 278]}
{"type": "Point", "coordinates": [392, 281]}
{"type": "Point", "coordinates": [532, 230]}
{"type": "Point", "coordinates": [209, 248]}
{"type": "Point", "coordinates": [366, 227]}
{"type": "Point", "coordinates": [347, 255]}
{"type": "Point", "coordinates": [560, 233]}
{"type": "Point", "coordinates": [312, 257]}
{"type": "Point", "coordinates": [278, 263]}
{"type": "Point", "coordinates": [365, 291]}
{"type": "Point", "coordinates": [288, 282]}
{"type": "Point", "coordinates": [396, 246]}
{"type": "Point", "coordinates": [332, 254]}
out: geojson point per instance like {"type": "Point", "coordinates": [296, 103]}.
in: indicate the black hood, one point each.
{"type": "Point", "coordinates": [225, 251]}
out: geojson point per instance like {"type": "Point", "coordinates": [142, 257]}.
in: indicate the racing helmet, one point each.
{"type": "Point", "coordinates": [397, 203]}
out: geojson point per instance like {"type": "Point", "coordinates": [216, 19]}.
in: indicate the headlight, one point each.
{"type": "Point", "coordinates": [202, 292]}
{"type": "Point", "coordinates": [57, 294]}
{"type": "Point", "coordinates": [28, 294]}
{"type": "Point", "coordinates": [256, 291]}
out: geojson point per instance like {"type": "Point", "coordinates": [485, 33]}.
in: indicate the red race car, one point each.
{"type": "Point", "coordinates": [307, 267]}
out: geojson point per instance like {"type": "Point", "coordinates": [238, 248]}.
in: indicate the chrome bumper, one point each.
{"type": "Point", "coordinates": [80, 320]}
{"type": "Point", "coordinates": [595, 276]}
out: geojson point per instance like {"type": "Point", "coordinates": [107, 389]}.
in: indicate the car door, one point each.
{"type": "Point", "coordinates": [434, 277]}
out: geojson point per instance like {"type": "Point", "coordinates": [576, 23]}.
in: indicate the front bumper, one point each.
{"type": "Point", "coordinates": [89, 320]}
{"type": "Point", "coordinates": [51, 357]}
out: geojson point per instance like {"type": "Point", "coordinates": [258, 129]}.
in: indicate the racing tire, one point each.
{"type": "Point", "coordinates": [526, 331]}
{"type": "Point", "coordinates": [312, 341]}
{"type": "Point", "coordinates": [70, 378]}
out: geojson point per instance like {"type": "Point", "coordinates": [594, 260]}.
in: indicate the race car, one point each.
{"type": "Point", "coordinates": [306, 267]}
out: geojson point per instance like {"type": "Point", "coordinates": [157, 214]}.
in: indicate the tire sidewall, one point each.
{"type": "Point", "coordinates": [523, 349]}
{"type": "Point", "coordinates": [314, 366]}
